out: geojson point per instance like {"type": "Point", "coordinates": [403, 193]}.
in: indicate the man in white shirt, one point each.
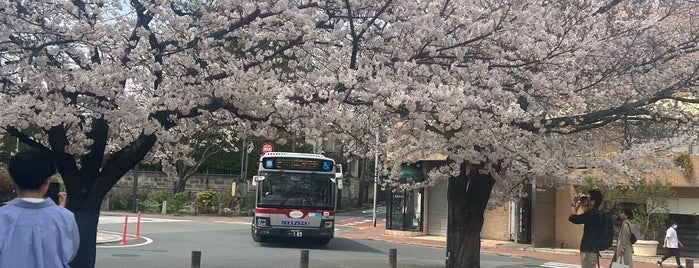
{"type": "Point", "coordinates": [672, 244]}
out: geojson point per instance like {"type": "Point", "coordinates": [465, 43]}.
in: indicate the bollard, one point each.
{"type": "Point", "coordinates": [304, 258]}
{"type": "Point", "coordinates": [689, 263]}
{"type": "Point", "coordinates": [126, 222]}
{"type": "Point", "coordinates": [138, 225]}
{"type": "Point", "coordinates": [392, 258]}
{"type": "Point", "coordinates": [164, 209]}
{"type": "Point", "coordinates": [196, 259]}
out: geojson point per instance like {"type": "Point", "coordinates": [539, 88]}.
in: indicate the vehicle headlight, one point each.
{"type": "Point", "coordinates": [262, 222]}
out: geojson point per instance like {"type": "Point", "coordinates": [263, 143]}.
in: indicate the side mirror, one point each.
{"type": "Point", "coordinates": [255, 179]}
{"type": "Point", "coordinates": [338, 174]}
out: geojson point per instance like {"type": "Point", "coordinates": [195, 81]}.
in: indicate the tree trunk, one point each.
{"type": "Point", "coordinates": [362, 195]}
{"type": "Point", "coordinates": [467, 198]}
{"type": "Point", "coordinates": [89, 183]}
{"type": "Point", "coordinates": [87, 215]}
{"type": "Point", "coordinates": [180, 185]}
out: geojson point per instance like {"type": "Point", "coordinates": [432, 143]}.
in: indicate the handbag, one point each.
{"type": "Point", "coordinates": [619, 263]}
{"type": "Point", "coordinates": [632, 237]}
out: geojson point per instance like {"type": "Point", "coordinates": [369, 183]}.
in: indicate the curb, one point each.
{"type": "Point", "coordinates": [105, 237]}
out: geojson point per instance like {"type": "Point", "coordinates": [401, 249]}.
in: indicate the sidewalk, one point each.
{"type": "Point", "coordinates": [364, 230]}
{"type": "Point", "coordinates": [493, 246]}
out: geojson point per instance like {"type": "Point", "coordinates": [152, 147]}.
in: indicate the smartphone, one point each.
{"type": "Point", "coordinates": [54, 188]}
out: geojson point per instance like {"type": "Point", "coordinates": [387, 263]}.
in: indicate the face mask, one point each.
{"type": "Point", "coordinates": [674, 226]}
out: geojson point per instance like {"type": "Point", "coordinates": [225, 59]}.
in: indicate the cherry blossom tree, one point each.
{"type": "Point", "coordinates": [506, 91]}
{"type": "Point", "coordinates": [184, 158]}
{"type": "Point", "coordinates": [103, 85]}
{"type": "Point", "coordinates": [510, 92]}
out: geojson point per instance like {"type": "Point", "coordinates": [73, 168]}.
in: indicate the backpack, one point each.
{"type": "Point", "coordinates": [607, 238]}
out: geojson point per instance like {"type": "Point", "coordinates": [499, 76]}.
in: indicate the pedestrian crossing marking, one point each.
{"type": "Point", "coordinates": [358, 222]}
{"type": "Point", "coordinates": [559, 265]}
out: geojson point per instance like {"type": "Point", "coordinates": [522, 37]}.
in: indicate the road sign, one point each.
{"type": "Point", "coordinates": [267, 147]}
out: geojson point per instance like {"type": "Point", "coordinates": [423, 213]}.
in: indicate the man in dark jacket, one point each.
{"type": "Point", "coordinates": [593, 219]}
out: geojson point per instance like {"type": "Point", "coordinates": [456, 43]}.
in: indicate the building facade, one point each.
{"type": "Point", "coordinates": [540, 217]}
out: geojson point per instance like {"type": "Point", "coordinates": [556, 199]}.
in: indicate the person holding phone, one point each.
{"type": "Point", "coordinates": [54, 189]}
{"type": "Point", "coordinates": [593, 220]}
{"type": "Point", "coordinates": [34, 230]}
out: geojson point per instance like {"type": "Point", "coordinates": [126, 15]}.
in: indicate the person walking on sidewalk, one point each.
{"type": "Point", "coordinates": [593, 219]}
{"type": "Point", "coordinates": [34, 231]}
{"type": "Point", "coordinates": [624, 249]}
{"type": "Point", "coordinates": [672, 244]}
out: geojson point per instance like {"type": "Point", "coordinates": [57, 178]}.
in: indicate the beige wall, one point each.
{"type": "Point", "coordinates": [551, 225]}
{"type": "Point", "coordinates": [676, 177]}
{"type": "Point", "coordinates": [552, 209]}
{"type": "Point", "coordinates": [496, 224]}
{"type": "Point", "coordinates": [568, 235]}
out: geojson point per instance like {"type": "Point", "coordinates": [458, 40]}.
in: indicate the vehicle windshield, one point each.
{"type": "Point", "coordinates": [309, 191]}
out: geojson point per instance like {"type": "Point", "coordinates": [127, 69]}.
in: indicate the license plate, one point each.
{"type": "Point", "coordinates": [295, 233]}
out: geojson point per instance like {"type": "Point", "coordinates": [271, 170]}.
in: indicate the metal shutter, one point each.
{"type": "Point", "coordinates": [437, 214]}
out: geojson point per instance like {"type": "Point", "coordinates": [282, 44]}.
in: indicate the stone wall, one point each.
{"type": "Point", "coordinates": [150, 181]}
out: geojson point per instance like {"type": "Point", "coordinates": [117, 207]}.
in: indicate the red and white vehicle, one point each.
{"type": "Point", "coordinates": [296, 197]}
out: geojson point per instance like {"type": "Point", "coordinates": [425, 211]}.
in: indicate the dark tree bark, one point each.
{"type": "Point", "coordinates": [87, 216]}
{"type": "Point", "coordinates": [86, 189]}
{"type": "Point", "coordinates": [185, 172]}
{"type": "Point", "coordinates": [364, 171]}
{"type": "Point", "coordinates": [467, 198]}
{"type": "Point", "coordinates": [179, 187]}
{"type": "Point", "coordinates": [89, 182]}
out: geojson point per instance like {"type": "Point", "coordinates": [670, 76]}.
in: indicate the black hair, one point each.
{"type": "Point", "coordinates": [628, 212]}
{"type": "Point", "coordinates": [30, 169]}
{"type": "Point", "coordinates": [596, 195]}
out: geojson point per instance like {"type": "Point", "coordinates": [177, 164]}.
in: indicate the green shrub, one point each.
{"type": "Point", "coordinates": [613, 195]}
{"type": "Point", "coordinates": [206, 198]}
{"type": "Point", "coordinates": [653, 212]}
{"type": "Point", "coordinates": [684, 160]}
{"type": "Point", "coordinates": [121, 198]}
{"type": "Point", "coordinates": [159, 196]}
{"type": "Point", "coordinates": [177, 201]}
{"type": "Point", "coordinates": [647, 197]}
{"type": "Point", "coordinates": [206, 201]}
{"type": "Point", "coordinates": [149, 206]}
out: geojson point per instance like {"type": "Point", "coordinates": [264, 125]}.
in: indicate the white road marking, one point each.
{"type": "Point", "coordinates": [120, 219]}
{"type": "Point", "coordinates": [559, 265]}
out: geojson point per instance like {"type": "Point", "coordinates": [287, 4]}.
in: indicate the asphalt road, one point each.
{"type": "Point", "coordinates": [170, 243]}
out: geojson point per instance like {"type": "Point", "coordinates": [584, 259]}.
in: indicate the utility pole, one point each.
{"type": "Point", "coordinates": [134, 193]}
{"type": "Point", "coordinates": [243, 157]}
{"type": "Point", "coordinates": [376, 178]}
